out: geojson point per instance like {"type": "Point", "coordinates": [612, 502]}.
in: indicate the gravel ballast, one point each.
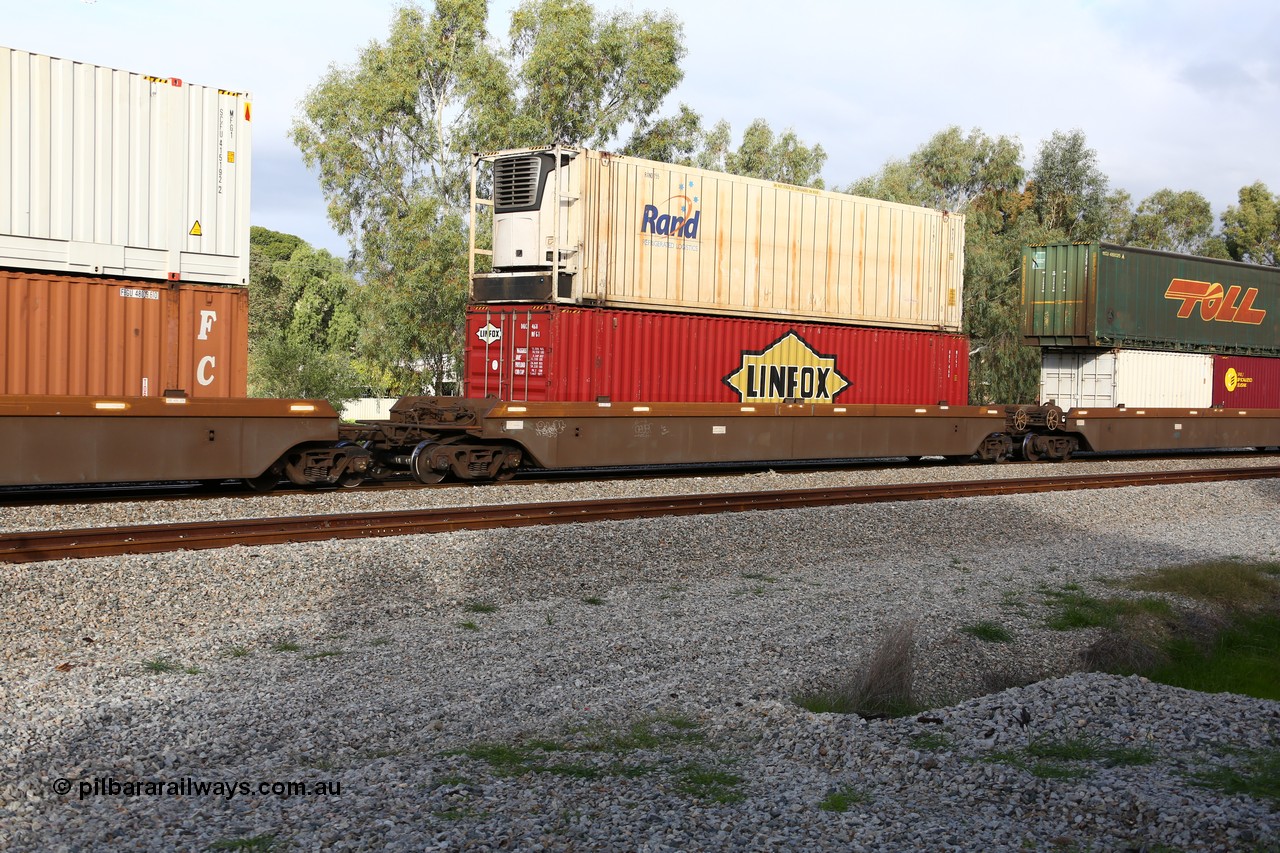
{"type": "Point", "coordinates": [623, 685]}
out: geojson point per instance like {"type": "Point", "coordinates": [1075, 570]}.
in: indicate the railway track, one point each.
{"type": "Point", "coordinates": [110, 541]}
{"type": "Point", "coordinates": [93, 494]}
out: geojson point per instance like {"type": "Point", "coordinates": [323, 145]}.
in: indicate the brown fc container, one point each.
{"type": "Point", "coordinates": [75, 335]}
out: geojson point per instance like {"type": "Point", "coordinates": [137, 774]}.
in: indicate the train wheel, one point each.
{"type": "Point", "coordinates": [350, 480]}
{"type": "Point", "coordinates": [264, 482]}
{"type": "Point", "coordinates": [1029, 451]}
{"type": "Point", "coordinates": [420, 464]}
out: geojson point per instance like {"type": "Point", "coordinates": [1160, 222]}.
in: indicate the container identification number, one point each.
{"type": "Point", "coordinates": [137, 293]}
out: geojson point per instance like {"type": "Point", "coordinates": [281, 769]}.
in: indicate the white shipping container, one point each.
{"type": "Point", "coordinates": [1132, 378]}
{"type": "Point", "coordinates": [114, 173]}
{"type": "Point", "coordinates": [368, 409]}
{"type": "Point", "coordinates": [623, 232]}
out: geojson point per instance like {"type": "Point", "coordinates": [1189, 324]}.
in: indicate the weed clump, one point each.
{"type": "Point", "coordinates": [989, 632]}
{"type": "Point", "coordinates": [1224, 641]}
{"type": "Point", "coordinates": [882, 687]}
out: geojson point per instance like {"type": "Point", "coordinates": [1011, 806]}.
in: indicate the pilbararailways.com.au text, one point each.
{"type": "Point", "coordinates": [110, 786]}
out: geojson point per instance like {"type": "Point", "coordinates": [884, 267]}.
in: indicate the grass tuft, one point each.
{"type": "Point", "coordinates": [1070, 758]}
{"type": "Point", "coordinates": [709, 783]}
{"type": "Point", "coordinates": [931, 742]}
{"type": "Point", "coordinates": [286, 646]}
{"type": "Point", "coordinates": [650, 733]}
{"type": "Point", "coordinates": [1074, 610]}
{"type": "Point", "coordinates": [1228, 643]}
{"type": "Point", "coordinates": [1089, 749]}
{"type": "Point", "coordinates": [841, 800]}
{"type": "Point", "coordinates": [1242, 658]}
{"type": "Point", "coordinates": [1257, 777]}
{"type": "Point", "coordinates": [480, 607]}
{"type": "Point", "coordinates": [161, 665]}
{"type": "Point", "coordinates": [1228, 585]}
{"type": "Point", "coordinates": [605, 754]}
{"type": "Point", "coordinates": [989, 632]}
{"type": "Point", "coordinates": [882, 687]}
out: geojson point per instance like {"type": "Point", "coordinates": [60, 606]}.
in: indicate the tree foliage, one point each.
{"type": "Point", "coordinates": [1167, 220]}
{"type": "Point", "coordinates": [413, 306]}
{"type": "Point", "coordinates": [391, 139]}
{"type": "Point", "coordinates": [1070, 191]}
{"type": "Point", "coordinates": [763, 154]}
{"type": "Point", "coordinates": [1251, 229]}
{"type": "Point", "coordinates": [1064, 197]}
{"type": "Point", "coordinates": [302, 326]}
{"type": "Point", "coordinates": [577, 77]}
{"type": "Point", "coordinates": [981, 177]}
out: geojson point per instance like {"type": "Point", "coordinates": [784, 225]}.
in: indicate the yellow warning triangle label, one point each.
{"type": "Point", "coordinates": [195, 229]}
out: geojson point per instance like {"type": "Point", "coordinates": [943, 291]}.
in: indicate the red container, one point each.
{"type": "Point", "coordinates": [569, 354]}
{"type": "Point", "coordinates": [1246, 381]}
{"type": "Point", "coordinates": [77, 335]}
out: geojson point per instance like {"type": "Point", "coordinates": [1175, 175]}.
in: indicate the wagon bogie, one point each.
{"type": "Point", "coordinates": [344, 464]}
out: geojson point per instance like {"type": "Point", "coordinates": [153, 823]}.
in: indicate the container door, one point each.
{"type": "Point", "coordinates": [1057, 294]}
{"type": "Point", "coordinates": [212, 343]}
{"type": "Point", "coordinates": [1060, 379]}
{"type": "Point", "coordinates": [1098, 381]}
{"type": "Point", "coordinates": [507, 353]}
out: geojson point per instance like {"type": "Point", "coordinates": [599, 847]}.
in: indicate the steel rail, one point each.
{"type": "Point", "coordinates": [109, 541]}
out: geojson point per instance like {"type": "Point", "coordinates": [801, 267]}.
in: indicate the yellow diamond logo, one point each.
{"type": "Point", "coordinates": [788, 370]}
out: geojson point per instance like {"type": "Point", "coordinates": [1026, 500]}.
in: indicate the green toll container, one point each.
{"type": "Point", "coordinates": [1101, 295]}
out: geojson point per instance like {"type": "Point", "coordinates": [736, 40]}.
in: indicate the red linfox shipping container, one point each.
{"type": "Point", "coordinates": [565, 354]}
{"type": "Point", "coordinates": [1246, 381]}
{"type": "Point", "coordinates": [74, 335]}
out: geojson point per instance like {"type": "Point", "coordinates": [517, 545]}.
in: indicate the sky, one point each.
{"type": "Point", "coordinates": [1169, 93]}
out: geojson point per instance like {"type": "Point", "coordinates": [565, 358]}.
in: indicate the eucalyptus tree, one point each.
{"type": "Point", "coordinates": [391, 139]}
{"type": "Point", "coordinates": [763, 154]}
{"type": "Point", "coordinates": [1070, 191]}
{"type": "Point", "coordinates": [1251, 228]}
{"type": "Point", "coordinates": [302, 326]}
{"type": "Point", "coordinates": [981, 177]}
{"type": "Point", "coordinates": [1173, 222]}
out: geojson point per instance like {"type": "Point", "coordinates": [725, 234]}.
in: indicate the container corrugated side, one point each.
{"type": "Point", "coordinates": [1104, 295]}
{"type": "Point", "coordinates": [1246, 381]}
{"type": "Point", "coordinates": [111, 172]}
{"type": "Point", "coordinates": [641, 234]}
{"type": "Point", "coordinates": [74, 335]}
{"type": "Point", "coordinates": [212, 340]}
{"type": "Point", "coordinates": [1128, 378]}
{"type": "Point", "coordinates": [564, 354]}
